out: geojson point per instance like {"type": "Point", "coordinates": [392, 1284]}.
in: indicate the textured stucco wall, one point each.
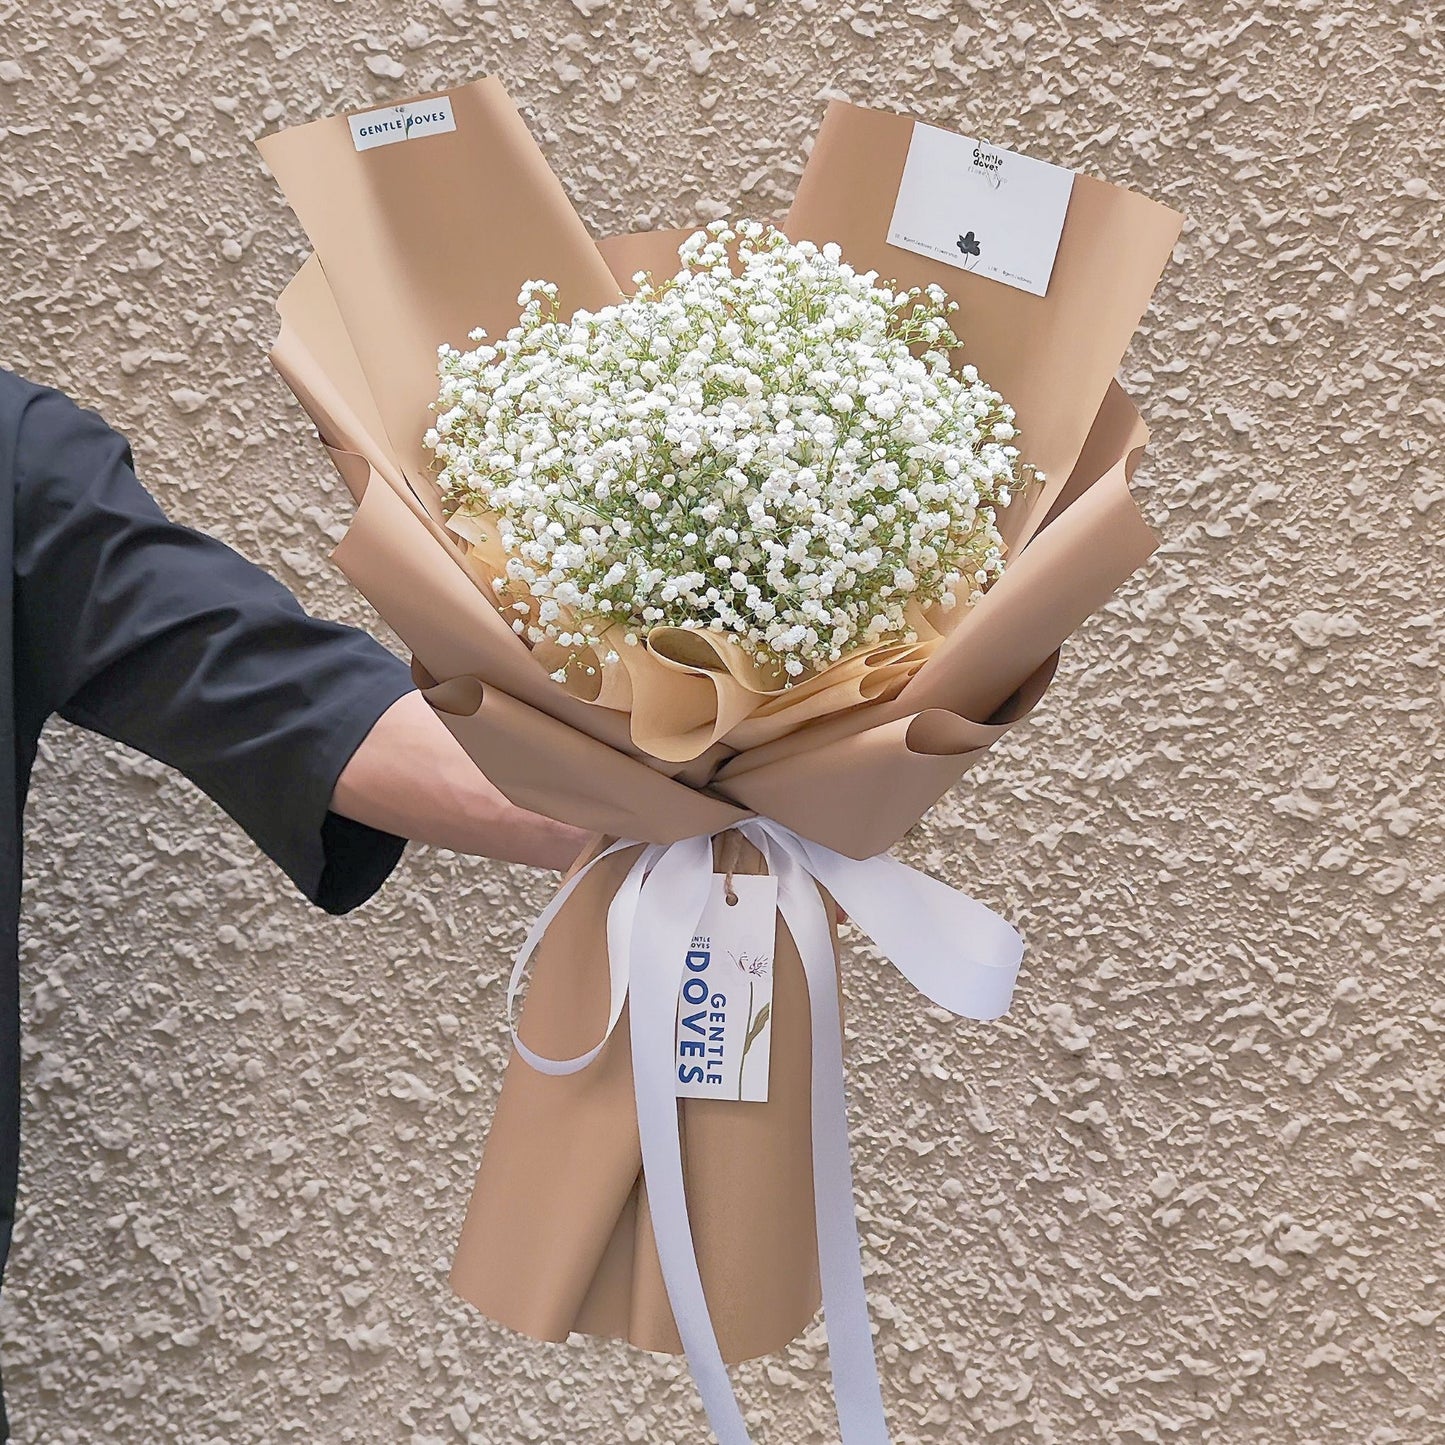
{"type": "Point", "coordinates": [1190, 1190]}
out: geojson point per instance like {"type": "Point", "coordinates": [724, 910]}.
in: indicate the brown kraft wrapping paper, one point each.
{"type": "Point", "coordinates": [558, 1238]}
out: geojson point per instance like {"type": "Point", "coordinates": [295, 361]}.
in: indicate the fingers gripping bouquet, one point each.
{"type": "Point", "coordinates": [682, 548]}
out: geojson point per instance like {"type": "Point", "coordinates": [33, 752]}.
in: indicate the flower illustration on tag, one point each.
{"type": "Point", "coordinates": [755, 965]}
{"type": "Point", "coordinates": [968, 244]}
{"type": "Point", "coordinates": [757, 1023]}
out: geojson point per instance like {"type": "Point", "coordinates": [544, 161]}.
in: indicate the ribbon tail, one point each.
{"type": "Point", "coordinates": [955, 951]}
{"type": "Point", "coordinates": [620, 915]}
{"type": "Point", "coordinates": [670, 904]}
{"type": "Point", "coordinates": [854, 1368]}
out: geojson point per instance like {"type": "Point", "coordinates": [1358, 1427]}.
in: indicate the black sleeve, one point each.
{"type": "Point", "coordinates": [166, 640]}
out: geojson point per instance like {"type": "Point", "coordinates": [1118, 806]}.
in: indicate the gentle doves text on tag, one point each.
{"type": "Point", "coordinates": [725, 1013]}
{"type": "Point", "coordinates": [993, 212]}
{"type": "Point", "coordinates": [402, 122]}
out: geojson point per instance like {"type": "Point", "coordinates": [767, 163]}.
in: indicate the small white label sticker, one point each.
{"type": "Point", "coordinates": [402, 122]}
{"type": "Point", "coordinates": [725, 1013]}
{"type": "Point", "coordinates": [994, 212]}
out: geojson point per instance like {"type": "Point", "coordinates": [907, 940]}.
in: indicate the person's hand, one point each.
{"type": "Point", "coordinates": [411, 777]}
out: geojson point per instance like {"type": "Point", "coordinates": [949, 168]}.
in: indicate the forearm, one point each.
{"type": "Point", "coordinates": [412, 778]}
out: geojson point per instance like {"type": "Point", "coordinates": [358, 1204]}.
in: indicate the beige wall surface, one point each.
{"type": "Point", "coordinates": [1191, 1189]}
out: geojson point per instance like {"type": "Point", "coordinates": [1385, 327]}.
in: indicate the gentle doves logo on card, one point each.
{"type": "Point", "coordinates": [402, 122]}
{"type": "Point", "coordinates": [990, 211]}
{"type": "Point", "coordinates": [725, 1012]}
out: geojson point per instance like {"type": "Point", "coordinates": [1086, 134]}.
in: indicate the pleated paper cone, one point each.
{"type": "Point", "coordinates": [557, 1237]}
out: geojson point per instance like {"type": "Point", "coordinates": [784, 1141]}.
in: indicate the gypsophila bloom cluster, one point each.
{"type": "Point", "coordinates": [773, 447]}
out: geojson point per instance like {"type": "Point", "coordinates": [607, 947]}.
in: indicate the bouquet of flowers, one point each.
{"type": "Point", "coordinates": [717, 521]}
{"type": "Point", "coordinates": [755, 454]}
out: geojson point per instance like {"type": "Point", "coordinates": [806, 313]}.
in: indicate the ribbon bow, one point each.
{"type": "Point", "coordinates": [956, 952]}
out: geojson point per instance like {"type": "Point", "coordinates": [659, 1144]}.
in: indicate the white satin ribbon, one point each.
{"type": "Point", "coordinates": [952, 949]}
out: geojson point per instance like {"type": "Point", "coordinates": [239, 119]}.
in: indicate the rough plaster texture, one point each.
{"type": "Point", "coordinates": [1190, 1190]}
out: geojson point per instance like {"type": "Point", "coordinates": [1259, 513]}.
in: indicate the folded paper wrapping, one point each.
{"type": "Point", "coordinates": [426, 240]}
{"type": "Point", "coordinates": [558, 1237]}
{"type": "Point", "coordinates": [419, 243]}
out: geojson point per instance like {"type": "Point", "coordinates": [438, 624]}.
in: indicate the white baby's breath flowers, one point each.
{"type": "Point", "coordinates": [770, 445]}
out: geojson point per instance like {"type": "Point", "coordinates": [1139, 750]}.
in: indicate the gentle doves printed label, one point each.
{"type": "Point", "coordinates": [982, 209]}
{"type": "Point", "coordinates": [402, 122]}
{"type": "Point", "coordinates": [725, 1013]}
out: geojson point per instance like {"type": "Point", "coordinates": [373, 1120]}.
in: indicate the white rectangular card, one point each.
{"type": "Point", "coordinates": [990, 211]}
{"type": "Point", "coordinates": [725, 1013]}
{"type": "Point", "coordinates": [402, 122]}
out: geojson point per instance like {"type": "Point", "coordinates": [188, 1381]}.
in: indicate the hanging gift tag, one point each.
{"type": "Point", "coordinates": [725, 1013]}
